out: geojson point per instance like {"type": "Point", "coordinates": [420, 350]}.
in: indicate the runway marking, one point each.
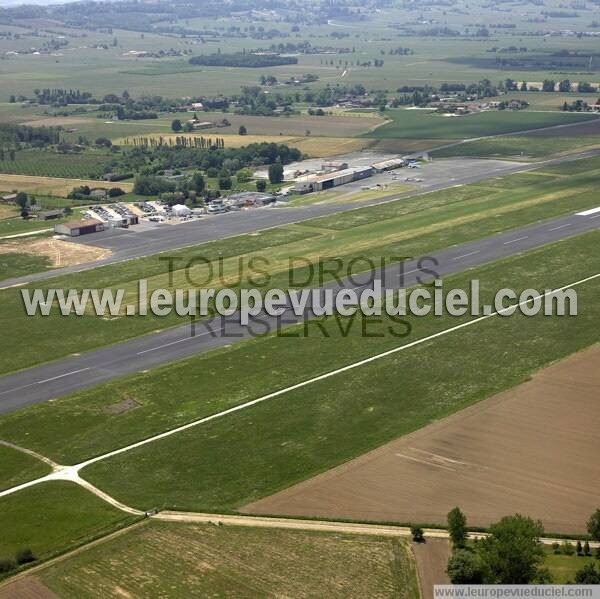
{"type": "Point", "coordinates": [145, 351]}
{"type": "Point", "coordinates": [593, 217]}
{"type": "Point", "coordinates": [316, 379]}
{"type": "Point", "coordinates": [515, 240]}
{"type": "Point", "coordinates": [466, 255]}
{"type": "Point", "coordinates": [588, 212]}
{"type": "Point", "coordinates": [561, 227]}
{"type": "Point", "coordinates": [60, 376]}
{"type": "Point", "coordinates": [17, 389]}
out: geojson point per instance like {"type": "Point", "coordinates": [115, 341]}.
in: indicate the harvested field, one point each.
{"type": "Point", "coordinates": [53, 121]}
{"type": "Point", "coordinates": [60, 253]}
{"type": "Point", "coordinates": [192, 560]}
{"type": "Point", "coordinates": [30, 587]}
{"type": "Point", "coordinates": [313, 146]}
{"type": "Point", "coordinates": [53, 186]}
{"type": "Point", "coordinates": [532, 450]}
{"type": "Point", "coordinates": [432, 559]}
{"type": "Point", "coordinates": [344, 126]}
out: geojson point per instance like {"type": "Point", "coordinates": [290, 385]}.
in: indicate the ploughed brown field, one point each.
{"type": "Point", "coordinates": [533, 450]}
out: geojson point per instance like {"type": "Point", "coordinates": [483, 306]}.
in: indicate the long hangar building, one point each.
{"type": "Point", "coordinates": [333, 179]}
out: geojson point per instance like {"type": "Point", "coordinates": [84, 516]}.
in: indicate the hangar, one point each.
{"type": "Point", "coordinates": [333, 179]}
{"type": "Point", "coordinates": [75, 228]}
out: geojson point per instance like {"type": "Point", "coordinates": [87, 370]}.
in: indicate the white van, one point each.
{"type": "Point", "coordinates": [216, 208]}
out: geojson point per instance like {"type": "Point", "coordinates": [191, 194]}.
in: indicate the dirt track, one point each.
{"type": "Point", "coordinates": [432, 559]}
{"type": "Point", "coordinates": [532, 450]}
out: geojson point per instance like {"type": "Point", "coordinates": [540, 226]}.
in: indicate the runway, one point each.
{"type": "Point", "coordinates": [75, 373]}
{"type": "Point", "coordinates": [126, 244]}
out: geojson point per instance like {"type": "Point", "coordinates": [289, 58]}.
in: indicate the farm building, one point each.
{"type": "Point", "coordinates": [388, 165]}
{"type": "Point", "coordinates": [75, 228]}
{"type": "Point", "coordinates": [8, 197]}
{"type": "Point", "coordinates": [333, 179]}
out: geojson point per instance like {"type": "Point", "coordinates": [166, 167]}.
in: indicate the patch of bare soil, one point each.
{"type": "Point", "coordinates": [129, 403]}
{"type": "Point", "coordinates": [60, 253]}
{"type": "Point", "coordinates": [432, 559]}
{"type": "Point", "coordinates": [533, 450]}
{"type": "Point", "coordinates": [30, 587]}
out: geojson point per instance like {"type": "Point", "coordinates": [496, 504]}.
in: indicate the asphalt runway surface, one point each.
{"type": "Point", "coordinates": [127, 244]}
{"type": "Point", "coordinates": [55, 379]}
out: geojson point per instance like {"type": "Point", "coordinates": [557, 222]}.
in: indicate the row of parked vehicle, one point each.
{"type": "Point", "coordinates": [121, 210]}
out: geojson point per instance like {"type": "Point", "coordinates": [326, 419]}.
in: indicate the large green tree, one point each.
{"type": "Point", "coordinates": [512, 553]}
{"type": "Point", "coordinates": [464, 567]}
{"type": "Point", "coordinates": [276, 173]}
{"type": "Point", "coordinates": [457, 527]}
{"type": "Point", "coordinates": [593, 525]}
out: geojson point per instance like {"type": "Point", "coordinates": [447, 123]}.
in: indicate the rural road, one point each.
{"type": "Point", "coordinates": [320, 525]}
{"type": "Point", "coordinates": [126, 244]}
{"type": "Point", "coordinates": [54, 379]}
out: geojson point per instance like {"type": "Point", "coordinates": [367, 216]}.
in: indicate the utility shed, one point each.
{"type": "Point", "coordinates": [75, 228]}
{"type": "Point", "coordinates": [49, 214]}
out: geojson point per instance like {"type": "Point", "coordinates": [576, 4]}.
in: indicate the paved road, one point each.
{"type": "Point", "coordinates": [127, 244]}
{"type": "Point", "coordinates": [74, 373]}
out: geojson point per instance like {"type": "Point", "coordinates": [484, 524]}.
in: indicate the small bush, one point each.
{"type": "Point", "coordinates": [417, 533]}
{"type": "Point", "coordinates": [6, 565]}
{"type": "Point", "coordinates": [25, 556]}
{"type": "Point", "coordinates": [556, 548]}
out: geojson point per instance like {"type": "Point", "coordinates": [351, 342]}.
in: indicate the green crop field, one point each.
{"type": "Point", "coordinates": [53, 517]}
{"type": "Point", "coordinates": [50, 164]}
{"type": "Point", "coordinates": [17, 467]}
{"type": "Point", "coordinates": [408, 227]}
{"type": "Point", "coordinates": [204, 560]}
{"type": "Point", "coordinates": [424, 124]}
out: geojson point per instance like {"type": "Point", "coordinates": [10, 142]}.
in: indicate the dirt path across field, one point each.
{"type": "Point", "coordinates": [432, 558]}
{"type": "Point", "coordinates": [532, 449]}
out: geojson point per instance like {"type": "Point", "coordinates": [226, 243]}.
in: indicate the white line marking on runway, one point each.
{"type": "Point", "coordinates": [466, 255]}
{"type": "Point", "coordinates": [561, 227]}
{"type": "Point", "coordinates": [60, 376]}
{"type": "Point", "coordinates": [178, 341]}
{"type": "Point", "coordinates": [515, 240]}
{"type": "Point", "coordinates": [593, 217]}
{"type": "Point", "coordinates": [17, 389]}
